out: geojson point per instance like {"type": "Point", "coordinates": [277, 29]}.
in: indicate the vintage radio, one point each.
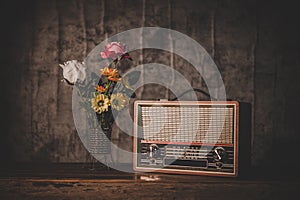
{"type": "Point", "coordinates": [192, 137]}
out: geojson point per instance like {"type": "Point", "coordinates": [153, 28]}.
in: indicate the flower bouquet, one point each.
{"type": "Point", "coordinates": [105, 99]}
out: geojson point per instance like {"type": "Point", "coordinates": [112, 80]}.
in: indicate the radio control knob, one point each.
{"type": "Point", "coordinates": [153, 151]}
{"type": "Point", "coordinates": [220, 154]}
{"type": "Point", "coordinates": [219, 165]}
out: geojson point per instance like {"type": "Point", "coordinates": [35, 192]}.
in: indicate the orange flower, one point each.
{"type": "Point", "coordinates": [109, 72]}
{"type": "Point", "coordinates": [112, 74]}
{"type": "Point", "coordinates": [100, 88]}
{"type": "Point", "coordinates": [115, 79]}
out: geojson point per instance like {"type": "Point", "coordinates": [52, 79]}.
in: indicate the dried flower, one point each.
{"type": "Point", "coordinates": [109, 72]}
{"type": "Point", "coordinates": [118, 101]}
{"type": "Point", "coordinates": [100, 88]}
{"type": "Point", "coordinates": [102, 99]}
{"type": "Point", "coordinates": [73, 70]}
{"type": "Point", "coordinates": [115, 79]}
{"type": "Point", "coordinates": [100, 103]}
{"type": "Point", "coordinates": [114, 50]}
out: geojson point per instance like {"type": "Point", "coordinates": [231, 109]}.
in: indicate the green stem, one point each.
{"type": "Point", "coordinates": [115, 66]}
{"type": "Point", "coordinates": [108, 87]}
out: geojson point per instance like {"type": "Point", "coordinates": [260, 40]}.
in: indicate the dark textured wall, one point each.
{"type": "Point", "coordinates": [254, 44]}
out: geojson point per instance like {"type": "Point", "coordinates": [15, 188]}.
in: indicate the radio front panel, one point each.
{"type": "Point", "coordinates": [186, 137]}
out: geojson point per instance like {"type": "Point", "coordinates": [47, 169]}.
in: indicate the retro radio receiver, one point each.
{"type": "Point", "coordinates": [192, 137]}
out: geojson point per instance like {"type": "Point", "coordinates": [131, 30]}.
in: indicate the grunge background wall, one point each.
{"type": "Point", "coordinates": [254, 44]}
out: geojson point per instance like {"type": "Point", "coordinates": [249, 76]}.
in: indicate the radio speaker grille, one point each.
{"type": "Point", "coordinates": [199, 124]}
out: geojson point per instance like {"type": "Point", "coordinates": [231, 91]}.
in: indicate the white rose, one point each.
{"type": "Point", "coordinates": [73, 71]}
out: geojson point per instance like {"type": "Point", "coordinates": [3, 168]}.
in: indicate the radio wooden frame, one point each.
{"type": "Point", "coordinates": [236, 129]}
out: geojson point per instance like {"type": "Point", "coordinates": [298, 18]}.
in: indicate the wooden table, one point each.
{"type": "Point", "coordinates": [82, 181]}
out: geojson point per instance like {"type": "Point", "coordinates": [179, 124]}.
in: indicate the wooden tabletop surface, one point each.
{"type": "Point", "coordinates": [87, 181]}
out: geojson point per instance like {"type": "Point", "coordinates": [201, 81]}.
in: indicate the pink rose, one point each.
{"type": "Point", "coordinates": [113, 50]}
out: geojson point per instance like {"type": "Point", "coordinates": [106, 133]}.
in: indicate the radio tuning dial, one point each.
{"type": "Point", "coordinates": [220, 154]}
{"type": "Point", "coordinates": [153, 151]}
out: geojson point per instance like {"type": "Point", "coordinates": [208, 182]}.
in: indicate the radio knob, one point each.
{"type": "Point", "coordinates": [153, 151]}
{"type": "Point", "coordinates": [219, 165]}
{"type": "Point", "coordinates": [220, 154]}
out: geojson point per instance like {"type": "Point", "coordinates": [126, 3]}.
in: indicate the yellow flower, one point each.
{"type": "Point", "coordinates": [100, 103]}
{"type": "Point", "coordinates": [119, 101]}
